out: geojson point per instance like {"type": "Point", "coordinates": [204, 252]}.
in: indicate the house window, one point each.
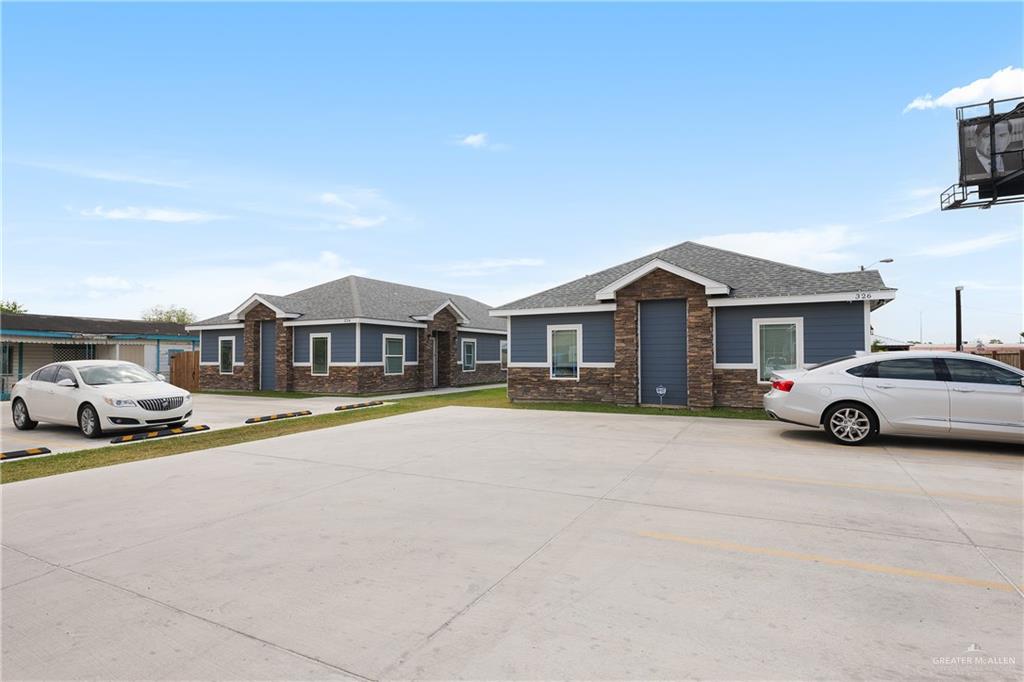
{"type": "Point", "coordinates": [320, 354]}
{"type": "Point", "coordinates": [504, 354]}
{"type": "Point", "coordinates": [565, 346]}
{"type": "Point", "coordinates": [394, 354]}
{"type": "Point", "coordinates": [7, 358]}
{"type": "Point", "coordinates": [778, 345]}
{"type": "Point", "coordinates": [226, 354]}
{"type": "Point", "coordinates": [469, 355]}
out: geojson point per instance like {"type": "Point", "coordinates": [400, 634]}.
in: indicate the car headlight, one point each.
{"type": "Point", "coordinates": [188, 397]}
{"type": "Point", "coordinates": [119, 402]}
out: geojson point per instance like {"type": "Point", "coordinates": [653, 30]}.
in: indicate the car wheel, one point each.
{"type": "Point", "coordinates": [850, 424]}
{"type": "Point", "coordinates": [19, 414]}
{"type": "Point", "coordinates": [89, 422]}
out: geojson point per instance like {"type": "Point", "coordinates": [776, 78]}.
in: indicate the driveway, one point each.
{"type": "Point", "coordinates": [522, 544]}
{"type": "Point", "coordinates": [216, 411]}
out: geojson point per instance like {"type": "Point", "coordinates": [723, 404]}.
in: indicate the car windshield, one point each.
{"type": "Point", "coordinates": [98, 375]}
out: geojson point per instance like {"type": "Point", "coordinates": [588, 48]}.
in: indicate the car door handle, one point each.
{"type": "Point", "coordinates": [885, 386]}
{"type": "Point", "coordinates": [963, 390]}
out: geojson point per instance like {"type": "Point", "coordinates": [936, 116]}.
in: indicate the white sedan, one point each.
{"type": "Point", "coordinates": [955, 395]}
{"type": "Point", "coordinates": [98, 396]}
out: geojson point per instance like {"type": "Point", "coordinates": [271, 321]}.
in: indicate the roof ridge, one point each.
{"type": "Point", "coordinates": [357, 306]}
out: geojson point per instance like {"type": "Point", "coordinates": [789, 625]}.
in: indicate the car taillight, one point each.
{"type": "Point", "coordinates": [783, 385]}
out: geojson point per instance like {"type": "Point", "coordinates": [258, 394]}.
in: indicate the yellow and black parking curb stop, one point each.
{"type": "Point", "coordinates": [353, 406]}
{"type": "Point", "coordinates": [272, 417]}
{"type": "Point", "coordinates": [15, 454]}
{"type": "Point", "coordinates": [160, 434]}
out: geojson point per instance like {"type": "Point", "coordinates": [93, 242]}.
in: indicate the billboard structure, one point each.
{"type": "Point", "coordinates": [991, 145]}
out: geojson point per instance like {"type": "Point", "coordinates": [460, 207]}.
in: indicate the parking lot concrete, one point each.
{"type": "Point", "coordinates": [520, 544]}
{"type": "Point", "coordinates": [214, 410]}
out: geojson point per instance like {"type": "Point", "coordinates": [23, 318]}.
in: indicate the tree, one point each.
{"type": "Point", "coordinates": [12, 306]}
{"type": "Point", "coordinates": [995, 340]}
{"type": "Point", "coordinates": [171, 313]}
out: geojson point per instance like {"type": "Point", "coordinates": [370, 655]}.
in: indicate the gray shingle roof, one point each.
{"type": "Point", "coordinates": [354, 296]}
{"type": "Point", "coordinates": [747, 277]}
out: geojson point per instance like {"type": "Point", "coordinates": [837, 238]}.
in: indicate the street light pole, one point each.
{"type": "Point", "coordinates": [959, 322]}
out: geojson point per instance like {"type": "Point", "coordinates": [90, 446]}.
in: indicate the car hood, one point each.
{"type": "Point", "coordinates": [148, 389]}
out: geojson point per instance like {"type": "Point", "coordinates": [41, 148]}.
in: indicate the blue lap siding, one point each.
{"type": "Point", "coordinates": [488, 346]}
{"type": "Point", "coordinates": [343, 341]}
{"type": "Point", "coordinates": [208, 344]}
{"type": "Point", "coordinates": [831, 330]}
{"type": "Point", "coordinates": [530, 339]}
{"type": "Point", "coordinates": [371, 341]}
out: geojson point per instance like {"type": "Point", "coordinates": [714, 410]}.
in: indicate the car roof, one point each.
{"type": "Point", "coordinates": [91, 363]}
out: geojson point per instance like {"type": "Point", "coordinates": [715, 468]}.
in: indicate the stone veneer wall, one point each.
{"type": "Point", "coordinates": [488, 373]}
{"type": "Point", "coordinates": [596, 384]}
{"type": "Point", "coordinates": [657, 285]}
{"type": "Point", "coordinates": [337, 380]}
{"type": "Point", "coordinates": [738, 388]}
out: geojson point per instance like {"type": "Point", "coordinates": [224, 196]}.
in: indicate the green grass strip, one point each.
{"type": "Point", "coordinates": [78, 460]}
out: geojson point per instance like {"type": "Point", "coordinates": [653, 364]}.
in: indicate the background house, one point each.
{"type": "Point", "coordinates": [689, 325]}
{"type": "Point", "coordinates": [31, 341]}
{"type": "Point", "coordinates": [352, 335]}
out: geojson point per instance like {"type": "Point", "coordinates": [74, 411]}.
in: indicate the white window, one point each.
{"type": "Point", "coordinates": [565, 350]}
{"type": "Point", "coordinates": [394, 354]}
{"type": "Point", "coordinates": [320, 354]}
{"type": "Point", "coordinates": [226, 354]}
{"type": "Point", "coordinates": [503, 357]}
{"type": "Point", "coordinates": [468, 355]}
{"type": "Point", "coordinates": [778, 345]}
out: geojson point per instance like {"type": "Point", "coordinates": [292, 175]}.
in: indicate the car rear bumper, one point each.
{"type": "Point", "coordinates": [777, 405]}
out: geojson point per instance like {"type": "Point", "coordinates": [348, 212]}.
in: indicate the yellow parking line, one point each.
{"type": "Point", "coordinates": [845, 563]}
{"type": "Point", "coordinates": [862, 486]}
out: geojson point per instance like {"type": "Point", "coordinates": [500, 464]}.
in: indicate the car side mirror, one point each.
{"type": "Point", "coordinates": [67, 383]}
{"type": "Point", "coordinates": [161, 377]}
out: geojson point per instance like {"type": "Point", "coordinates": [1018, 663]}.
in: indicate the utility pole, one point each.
{"type": "Point", "coordinates": [959, 321]}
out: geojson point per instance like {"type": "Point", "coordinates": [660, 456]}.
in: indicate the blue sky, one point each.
{"type": "Point", "coordinates": [195, 153]}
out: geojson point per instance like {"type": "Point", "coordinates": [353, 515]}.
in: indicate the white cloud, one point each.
{"type": "Point", "coordinates": [109, 176]}
{"type": "Point", "coordinates": [356, 208]}
{"type": "Point", "coordinates": [1008, 82]}
{"type": "Point", "coordinates": [157, 215]}
{"type": "Point", "coordinates": [824, 246]}
{"type": "Point", "coordinates": [487, 266]}
{"type": "Point", "coordinates": [966, 246]}
{"type": "Point", "coordinates": [475, 140]}
{"type": "Point", "coordinates": [107, 283]}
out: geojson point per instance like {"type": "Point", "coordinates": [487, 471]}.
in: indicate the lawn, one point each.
{"type": "Point", "coordinates": [20, 470]}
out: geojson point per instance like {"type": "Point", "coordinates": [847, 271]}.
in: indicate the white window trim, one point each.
{"type": "Point", "coordinates": [320, 335]}
{"type": "Point", "coordinates": [462, 354]}
{"type": "Point", "coordinates": [220, 345]}
{"type": "Point", "coordinates": [757, 322]}
{"type": "Point", "coordinates": [578, 328]}
{"type": "Point", "coordinates": [384, 353]}
{"type": "Point", "coordinates": [503, 344]}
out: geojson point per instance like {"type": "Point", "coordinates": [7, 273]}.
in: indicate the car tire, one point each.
{"type": "Point", "coordinates": [89, 421]}
{"type": "Point", "coordinates": [850, 423]}
{"type": "Point", "coordinates": [20, 416]}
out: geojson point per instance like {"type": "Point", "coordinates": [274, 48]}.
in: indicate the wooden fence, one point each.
{"type": "Point", "coordinates": [1014, 358]}
{"type": "Point", "coordinates": [185, 370]}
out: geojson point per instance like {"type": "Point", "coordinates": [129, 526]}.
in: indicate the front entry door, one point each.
{"type": "Point", "coordinates": [662, 327]}
{"type": "Point", "coordinates": [268, 355]}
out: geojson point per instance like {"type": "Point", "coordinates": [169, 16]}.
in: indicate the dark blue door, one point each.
{"type": "Point", "coordinates": [663, 351]}
{"type": "Point", "coordinates": [268, 353]}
